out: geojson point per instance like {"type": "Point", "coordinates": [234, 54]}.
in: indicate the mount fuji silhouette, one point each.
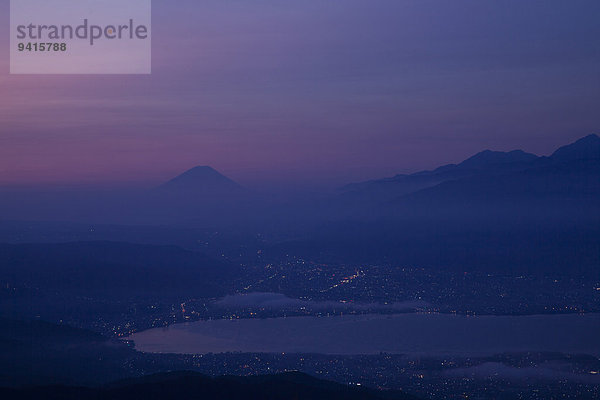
{"type": "Point", "coordinates": [201, 180]}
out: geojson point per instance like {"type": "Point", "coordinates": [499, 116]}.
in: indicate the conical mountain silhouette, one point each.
{"type": "Point", "coordinates": [201, 179]}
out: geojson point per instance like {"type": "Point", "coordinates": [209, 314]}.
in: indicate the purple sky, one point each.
{"type": "Point", "coordinates": [312, 91]}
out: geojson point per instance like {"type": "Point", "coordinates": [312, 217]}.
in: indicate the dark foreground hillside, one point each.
{"type": "Point", "coordinates": [189, 385]}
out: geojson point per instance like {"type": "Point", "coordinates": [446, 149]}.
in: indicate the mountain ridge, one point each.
{"type": "Point", "coordinates": [485, 164]}
{"type": "Point", "coordinates": [588, 147]}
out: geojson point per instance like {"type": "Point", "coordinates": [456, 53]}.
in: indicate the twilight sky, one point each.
{"type": "Point", "coordinates": [315, 92]}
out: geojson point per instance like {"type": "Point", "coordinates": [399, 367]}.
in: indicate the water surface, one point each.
{"type": "Point", "coordinates": [371, 334]}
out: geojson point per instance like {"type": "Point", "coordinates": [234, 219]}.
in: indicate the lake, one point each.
{"type": "Point", "coordinates": [410, 333]}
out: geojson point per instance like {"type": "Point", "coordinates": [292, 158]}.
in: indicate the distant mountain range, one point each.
{"type": "Point", "coordinates": [204, 180]}
{"type": "Point", "coordinates": [507, 183]}
{"type": "Point", "coordinates": [495, 211]}
{"type": "Point", "coordinates": [515, 183]}
{"type": "Point", "coordinates": [571, 172]}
